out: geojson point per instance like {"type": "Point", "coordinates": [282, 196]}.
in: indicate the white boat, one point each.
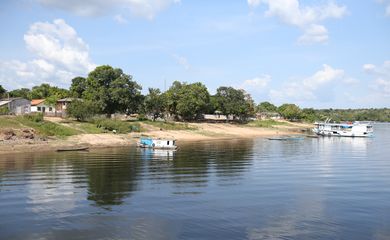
{"type": "Point", "coordinates": [346, 129]}
{"type": "Point", "coordinates": [157, 143]}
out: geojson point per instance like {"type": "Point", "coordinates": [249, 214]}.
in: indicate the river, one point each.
{"type": "Point", "coordinates": [325, 188]}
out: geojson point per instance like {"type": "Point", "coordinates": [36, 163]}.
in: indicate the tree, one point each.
{"type": "Point", "coordinates": [234, 102]}
{"type": "Point", "coordinates": [193, 101]}
{"type": "Point", "coordinates": [172, 97]}
{"type": "Point", "coordinates": [266, 107]}
{"type": "Point", "coordinates": [44, 91]}
{"type": "Point", "coordinates": [188, 101]}
{"type": "Point", "coordinates": [22, 92]}
{"type": "Point", "coordinates": [309, 114]}
{"type": "Point", "coordinates": [2, 91]}
{"type": "Point", "coordinates": [290, 111]}
{"type": "Point", "coordinates": [79, 85]}
{"type": "Point", "coordinates": [155, 103]}
{"type": "Point", "coordinates": [81, 110]}
{"type": "Point", "coordinates": [113, 91]}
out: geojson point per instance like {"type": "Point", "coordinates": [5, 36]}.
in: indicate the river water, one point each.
{"type": "Point", "coordinates": [326, 188]}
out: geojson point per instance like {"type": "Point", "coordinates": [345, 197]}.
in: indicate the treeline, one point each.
{"type": "Point", "coordinates": [107, 90]}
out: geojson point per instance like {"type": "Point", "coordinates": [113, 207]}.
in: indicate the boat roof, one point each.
{"type": "Point", "coordinates": [343, 124]}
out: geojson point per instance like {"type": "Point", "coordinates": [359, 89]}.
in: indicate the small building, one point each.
{"type": "Point", "coordinates": [40, 106]}
{"type": "Point", "coordinates": [62, 104]}
{"type": "Point", "coordinates": [16, 106]}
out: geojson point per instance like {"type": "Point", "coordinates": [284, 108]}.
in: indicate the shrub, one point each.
{"type": "Point", "coordinates": [36, 117]}
{"type": "Point", "coordinates": [117, 125]}
{"type": "Point", "coordinates": [81, 110]}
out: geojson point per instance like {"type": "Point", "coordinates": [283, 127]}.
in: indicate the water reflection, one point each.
{"type": "Point", "coordinates": [326, 188]}
{"type": "Point", "coordinates": [111, 179]}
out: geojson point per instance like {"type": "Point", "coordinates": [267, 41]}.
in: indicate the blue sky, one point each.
{"type": "Point", "coordinates": [322, 54]}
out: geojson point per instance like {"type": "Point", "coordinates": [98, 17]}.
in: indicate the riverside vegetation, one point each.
{"type": "Point", "coordinates": [107, 91]}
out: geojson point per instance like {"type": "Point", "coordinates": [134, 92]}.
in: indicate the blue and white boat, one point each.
{"type": "Point", "coordinates": [157, 143]}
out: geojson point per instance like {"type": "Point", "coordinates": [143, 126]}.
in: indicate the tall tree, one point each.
{"type": "Point", "coordinates": [193, 101]}
{"type": "Point", "coordinates": [113, 91]}
{"type": "Point", "coordinates": [290, 111]}
{"type": "Point", "coordinates": [234, 102]}
{"type": "Point", "coordinates": [79, 85]}
{"type": "Point", "coordinates": [155, 103]}
{"type": "Point", "coordinates": [266, 107]}
{"type": "Point", "coordinates": [172, 97]}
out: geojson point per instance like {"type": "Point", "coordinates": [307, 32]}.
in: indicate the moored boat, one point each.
{"type": "Point", "coordinates": [157, 143]}
{"type": "Point", "coordinates": [346, 129]}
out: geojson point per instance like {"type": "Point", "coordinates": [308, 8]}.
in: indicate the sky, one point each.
{"type": "Point", "coordinates": [319, 53]}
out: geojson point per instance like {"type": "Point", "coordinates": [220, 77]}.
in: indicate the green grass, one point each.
{"type": "Point", "coordinates": [9, 122]}
{"type": "Point", "coordinates": [46, 128]}
{"type": "Point", "coordinates": [87, 127]}
{"type": "Point", "coordinates": [117, 125]}
{"type": "Point", "coordinates": [169, 125]}
{"type": "Point", "coordinates": [266, 123]}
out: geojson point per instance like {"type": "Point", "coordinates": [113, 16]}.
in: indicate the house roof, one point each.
{"type": "Point", "coordinates": [35, 102]}
{"type": "Point", "coordinates": [68, 99]}
{"type": "Point", "coordinates": [4, 102]}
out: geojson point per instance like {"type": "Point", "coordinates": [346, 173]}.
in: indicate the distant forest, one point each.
{"type": "Point", "coordinates": [107, 90]}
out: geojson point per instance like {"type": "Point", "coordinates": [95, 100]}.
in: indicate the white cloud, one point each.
{"type": "Point", "coordinates": [387, 6]}
{"type": "Point", "coordinates": [310, 87]}
{"type": "Point", "coordinates": [257, 83]}
{"type": "Point", "coordinates": [306, 18]}
{"type": "Point", "coordinates": [139, 8]}
{"type": "Point", "coordinates": [382, 77]}
{"type": "Point", "coordinates": [59, 53]}
{"type": "Point", "coordinates": [182, 61]}
{"type": "Point", "coordinates": [120, 19]}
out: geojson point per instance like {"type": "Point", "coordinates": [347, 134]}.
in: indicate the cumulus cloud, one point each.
{"type": "Point", "coordinates": [310, 87]}
{"type": "Point", "coordinates": [381, 75]}
{"type": "Point", "coordinates": [139, 8]}
{"type": "Point", "coordinates": [307, 18]}
{"type": "Point", "coordinates": [257, 83]}
{"type": "Point", "coordinates": [59, 54]}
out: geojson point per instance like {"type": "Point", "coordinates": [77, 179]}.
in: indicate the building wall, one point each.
{"type": "Point", "coordinates": [19, 106]}
{"type": "Point", "coordinates": [47, 109]}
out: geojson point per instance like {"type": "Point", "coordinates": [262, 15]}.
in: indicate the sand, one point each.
{"type": "Point", "coordinates": [203, 131]}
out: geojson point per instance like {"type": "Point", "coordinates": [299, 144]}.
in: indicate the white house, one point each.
{"type": "Point", "coordinates": [39, 105]}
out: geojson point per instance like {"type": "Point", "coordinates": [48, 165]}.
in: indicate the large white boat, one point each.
{"type": "Point", "coordinates": [346, 129]}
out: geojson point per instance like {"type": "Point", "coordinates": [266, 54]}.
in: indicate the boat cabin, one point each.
{"type": "Point", "coordinates": [157, 143]}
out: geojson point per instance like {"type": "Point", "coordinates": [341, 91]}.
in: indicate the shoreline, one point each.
{"type": "Point", "coordinates": [204, 131]}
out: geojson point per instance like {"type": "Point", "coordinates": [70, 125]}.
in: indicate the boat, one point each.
{"type": "Point", "coordinates": [345, 129]}
{"type": "Point", "coordinates": [157, 143]}
{"type": "Point", "coordinates": [286, 138]}
{"type": "Point", "coordinates": [65, 149]}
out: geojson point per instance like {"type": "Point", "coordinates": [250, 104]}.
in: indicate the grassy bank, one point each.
{"type": "Point", "coordinates": [266, 123]}
{"type": "Point", "coordinates": [168, 125]}
{"type": "Point", "coordinates": [41, 127]}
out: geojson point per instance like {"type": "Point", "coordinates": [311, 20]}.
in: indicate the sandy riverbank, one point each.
{"type": "Point", "coordinates": [200, 131]}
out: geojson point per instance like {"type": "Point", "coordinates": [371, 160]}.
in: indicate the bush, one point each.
{"type": "Point", "coordinates": [4, 111]}
{"type": "Point", "coordinates": [36, 117]}
{"type": "Point", "coordinates": [81, 110]}
{"type": "Point", "coordinates": [118, 126]}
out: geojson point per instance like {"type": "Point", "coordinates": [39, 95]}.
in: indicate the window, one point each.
{"type": "Point", "coordinates": [39, 109]}
{"type": "Point", "coordinates": [167, 142]}
{"type": "Point", "coordinates": [50, 109]}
